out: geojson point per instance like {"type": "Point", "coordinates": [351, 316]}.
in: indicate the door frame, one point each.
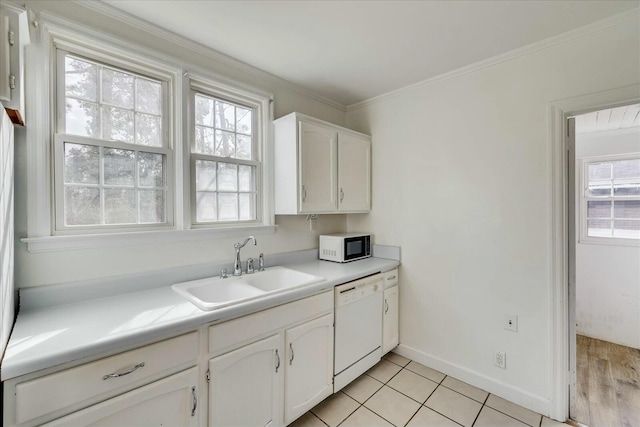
{"type": "Point", "coordinates": [562, 305]}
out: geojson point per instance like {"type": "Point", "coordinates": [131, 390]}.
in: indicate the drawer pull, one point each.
{"type": "Point", "coordinates": [292, 354]}
{"type": "Point", "coordinates": [391, 278]}
{"type": "Point", "coordinates": [195, 401]}
{"type": "Point", "coordinates": [123, 373]}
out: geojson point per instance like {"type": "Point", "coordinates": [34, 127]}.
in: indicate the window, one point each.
{"type": "Point", "coordinates": [611, 198]}
{"type": "Point", "coordinates": [112, 158]}
{"type": "Point", "coordinates": [225, 163]}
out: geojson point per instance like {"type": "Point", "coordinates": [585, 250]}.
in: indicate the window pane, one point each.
{"type": "Point", "coordinates": [81, 206]}
{"type": "Point", "coordinates": [204, 111]}
{"type": "Point", "coordinates": [628, 229]}
{"type": "Point", "coordinates": [117, 88]}
{"type": "Point", "coordinates": [626, 209]}
{"type": "Point", "coordinates": [227, 177]}
{"type": "Point", "coordinates": [204, 140]}
{"type": "Point", "coordinates": [599, 228]}
{"type": "Point", "coordinates": [119, 206]}
{"type": "Point", "coordinates": [151, 206]}
{"type": "Point", "coordinates": [599, 171]}
{"type": "Point", "coordinates": [205, 175]}
{"type": "Point", "coordinates": [225, 116]}
{"type": "Point", "coordinates": [244, 120]}
{"type": "Point", "coordinates": [119, 167]}
{"type": "Point", "coordinates": [246, 180]}
{"type": "Point", "coordinates": [81, 164]}
{"type": "Point", "coordinates": [225, 144]}
{"type": "Point", "coordinates": [626, 169]}
{"type": "Point", "coordinates": [148, 96]}
{"type": "Point", "coordinates": [206, 207]}
{"type": "Point", "coordinates": [117, 124]}
{"type": "Point", "coordinates": [151, 169]}
{"type": "Point", "coordinates": [626, 188]}
{"type": "Point", "coordinates": [80, 79]}
{"type": "Point", "coordinates": [81, 118]}
{"type": "Point", "coordinates": [148, 130]}
{"type": "Point", "coordinates": [227, 207]}
{"type": "Point", "coordinates": [244, 147]}
{"type": "Point", "coordinates": [600, 189]}
{"type": "Point", "coordinates": [247, 206]}
{"type": "Point", "coordinates": [599, 209]}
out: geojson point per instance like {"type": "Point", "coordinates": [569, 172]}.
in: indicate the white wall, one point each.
{"type": "Point", "coordinates": [608, 277]}
{"type": "Point", "coordinates": [462, 182]}
{"type": "Point", "coordinates": [291, 235]}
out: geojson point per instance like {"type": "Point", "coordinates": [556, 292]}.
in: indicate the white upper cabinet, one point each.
{"type": "Point", "coordinates": [318, 175]}
{"type": "Point", "coordinates": [320, 167]}
{"type": "Point", "coordinates": [14, 36]}
{"type": "Point", "coordinates": [354, 173]}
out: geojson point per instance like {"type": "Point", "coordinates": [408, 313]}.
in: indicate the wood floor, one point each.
{"type": "Point", "coordinates": [608, 384]}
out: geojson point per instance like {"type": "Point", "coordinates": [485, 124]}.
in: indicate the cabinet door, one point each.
{"type": "Point", "coordinates": [354, 173]}
{"type": "Point", "coordinates": [390, 334]}
{"type": "Point", "coordinates": [309, 366]}
{"type": "Point", "coordinates": [245, 386]}
{"type": "Point", "coordinates": [318, 171]}
{"type": "Point", "coordinates": [168, 402]}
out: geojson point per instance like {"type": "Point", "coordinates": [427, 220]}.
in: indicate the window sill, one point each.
{"type": "Point", "coordinates": [93, 241]}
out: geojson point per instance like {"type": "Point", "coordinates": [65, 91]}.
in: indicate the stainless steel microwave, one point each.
{"type": "Point", "coordinates": [345, 247]}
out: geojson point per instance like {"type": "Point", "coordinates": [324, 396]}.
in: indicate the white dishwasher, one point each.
{"type": "Point", "coordinates": [358, 328]}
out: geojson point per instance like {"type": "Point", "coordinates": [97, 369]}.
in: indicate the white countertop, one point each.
{"type": "Point", "coordinates": [43, 337]}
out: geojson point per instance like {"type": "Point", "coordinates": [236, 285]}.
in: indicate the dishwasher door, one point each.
{"type": "Point", "coordinates": [358, 325]}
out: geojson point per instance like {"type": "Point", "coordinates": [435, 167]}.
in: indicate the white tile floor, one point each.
{"type": "Point", "coordinates": [399, 392]}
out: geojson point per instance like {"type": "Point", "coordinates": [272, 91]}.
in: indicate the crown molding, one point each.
{"type": "Point", "coordinates": [146, 26]}
{"type": "Point", "coordinates": [594, 27]}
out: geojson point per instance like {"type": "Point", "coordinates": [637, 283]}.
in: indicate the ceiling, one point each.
{"type": "Point", "coordinates": [627, 116]}
{"type": "Point", "coordinates": [350, 51]}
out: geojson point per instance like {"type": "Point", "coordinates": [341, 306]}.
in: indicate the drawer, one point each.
{"type": "Point", "coordinates": [238, 331]}
{"type": "Point", "coordinates": [105, 377]}
{"type": "Point", "coordinates": [390, 278]}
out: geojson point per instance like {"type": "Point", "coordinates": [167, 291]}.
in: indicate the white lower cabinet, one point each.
{"type": "Point", "coordinates": [245, 384]}
{"type": "Point", "coordinates": [171, 401]}
{"type": "Point", "coordinates": [390, 312]}
{"type": "Point", "coordinates": [309, 368]}
{"type": "Point", "coordinates": [276, 377]}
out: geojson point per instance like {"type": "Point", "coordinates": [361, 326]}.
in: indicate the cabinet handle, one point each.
{"type": "Point", "coordinates": [341, 195]}
{"type": "Point", "coordinates": [386, 306]}
{"type": "Point", "coordinates": [195, 401]}
{"type": "Point", "coordinates": [123, 373]}
{"type": "Point", "coordinates": [292, 354]}
{"type": "Point", "coordinates": [277, 360]}
{"type": "Point", "coordinates": [304, 193]}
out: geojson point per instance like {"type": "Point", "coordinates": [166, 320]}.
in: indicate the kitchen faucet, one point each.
{"type": "Point", "coordinates": [237, 264]}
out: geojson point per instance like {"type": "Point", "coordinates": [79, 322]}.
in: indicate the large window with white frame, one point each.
{"type": "Point", "coordinates": [226, 163]}
{"type": "Point", "coordinates": [113, 160]}
{"type": "Point", "coordinates": [611, 198]}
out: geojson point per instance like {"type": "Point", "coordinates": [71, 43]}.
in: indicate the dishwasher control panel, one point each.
{"type": "Point", "coordinates": [357, 290]}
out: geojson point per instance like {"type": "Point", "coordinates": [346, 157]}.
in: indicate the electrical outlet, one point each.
{"type": "Point", "coordinates": [500, 359]}
{"type": "Point", "coordinates": [511, 322]}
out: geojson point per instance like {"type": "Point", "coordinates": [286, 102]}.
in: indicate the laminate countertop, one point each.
{"type": "Point", "coordinates": [46, 336]}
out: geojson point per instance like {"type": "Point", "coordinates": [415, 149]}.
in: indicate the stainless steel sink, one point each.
{"type": "Point", "coordinates": [213, 293]}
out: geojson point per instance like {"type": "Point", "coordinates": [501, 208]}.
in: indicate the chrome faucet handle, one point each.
{"type": "Point", "coordinates": [261, 262]}
{"type": "Point", "coordinates": [250, 269]}
{"type": "Point", "coordinates": [223, 273]}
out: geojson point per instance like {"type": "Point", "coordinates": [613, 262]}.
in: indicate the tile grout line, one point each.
{"type": "Point", "coordinates": [484, 403]}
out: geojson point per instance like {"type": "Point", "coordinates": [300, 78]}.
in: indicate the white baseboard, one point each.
{"type": "Point", "coordinates": [539, 404]}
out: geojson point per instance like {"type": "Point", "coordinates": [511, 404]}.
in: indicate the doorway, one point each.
{"type": "Point", "coordinates": [604, 266]}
